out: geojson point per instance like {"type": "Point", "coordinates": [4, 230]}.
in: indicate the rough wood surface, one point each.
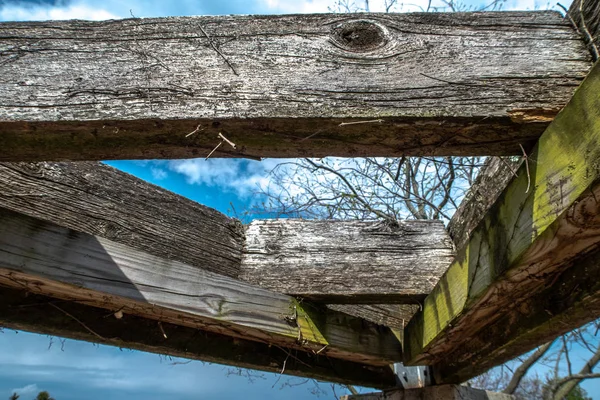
{"type": "Point", "coordinates": [395, 316]}
{"type": "Point", "coordinates": [285, 86]}
{"type": "Point", "coordinates": [347, 261]}
{"type": "Point", "coordinates": [491, 181]}
{"type": "Point", "coordinates": [59, 262]}
{"type": "Point", "coordinates": [352, 262]}
{"type": "Point", "coordinates": [541, 223]}
{"type": "Point", "coordinates": [571, 300]}
{"type": "Point", "coordinates": [590, 22]}
{"type": "Point", "coordinates": [100, 200]}
{"type": "Point", "coordinates": [23, 310]}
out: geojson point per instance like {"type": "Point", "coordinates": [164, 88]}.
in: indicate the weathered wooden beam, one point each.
{"type": "Point", "coordinates": [22, 310]}
{"type": "Point", "coordinates": [285, 86]}
{"type": "Point", "coordinates": [570, 301]}
{"type": "Point", "coordinates": [491, 181]}
{"type": "Point", "coordinates": [347, 261]}
{"type": "Point", "coordinates": [58, 262]}
{"type": "Point", "coordinates": [97, 199]}
{"type": "Point", "coordinates": [543, 222]}
{"type": "Point", "coordinates": [342, 262]}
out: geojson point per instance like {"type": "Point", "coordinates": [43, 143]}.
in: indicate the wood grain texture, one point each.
{"type": "Point", "coordinates": [100, 200]}
{"type": "Point", "coordinates": [59, 262]}
{"type": "Point", "coordinates": [491, 181]}
{"type": "Point", "coordinates": [23, 310]}
{"type": "Point", "coordinates": [285, 86]}
{"type": "Point", "coordinates": [571, 300]}
{"type": "Point", "coordinates": [540, 224]}
{"type": "Point", "coordinates": [352, 262]}
{"type": "Point", "coordinates": [347, 261]}
{"type": "Point", "coordinates": [590, 20]}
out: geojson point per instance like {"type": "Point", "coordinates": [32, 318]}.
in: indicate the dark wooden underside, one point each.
{"type": "Point", "coordinates": [30, 312]}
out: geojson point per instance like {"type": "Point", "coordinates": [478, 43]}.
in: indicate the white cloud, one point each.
{"type": "Point", "coordinates": [26, 390]}
{"type": "Point", "coordinates": [241, 177]}
{"type": "Point", "coordinates": [41, 13]}
{"type": "Point", "coordinates": [158, 173]}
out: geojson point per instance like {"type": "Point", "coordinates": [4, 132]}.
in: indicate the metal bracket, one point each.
{"type": "Point", "coordinates": [413, 377]}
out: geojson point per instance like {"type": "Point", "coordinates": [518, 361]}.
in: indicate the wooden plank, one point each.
{"type": "Point", "coordinates": [23, 310]}
{"type": "Point", "coordinates": [347, 261]}
{"type": "Point", "coordinates": [100, 200]}
{"type": "Point", "coordinates": [62, 263]}
{"type": "Point", "coordinates": [491, 181]}
{"type": "Point", "coordinates": [541, 223]}
{"type": "Point", "coordinates": [285, 86]}
{"type": "Point", "coordinates": [305, 258]}
{"type": "Point", "coordinates": [570, 300]}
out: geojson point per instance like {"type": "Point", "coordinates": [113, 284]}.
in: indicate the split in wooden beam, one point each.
{"type": "Point", "coordinates": [58, 262]}
{"type": "Point", "coordinates": [35, 313]}
{"type": "Point", "coordinates": [331, 261]}
{"type": "Point", "coordinates": [285, 86]}
{"type": "Point", "coordinates": [546, 220]}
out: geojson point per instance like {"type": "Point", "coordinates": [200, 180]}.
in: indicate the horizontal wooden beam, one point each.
{"type": "Point", "coordinates": [545, 220]}
{"type": "Point", "coordinates": [58, 262]}
{"type": "Point", "coordinates": [331, 261]}
{"type": "Point", "coordinates": [285, 86]}
{"type": "Point", "coordinates": [22, 310]}
{"type": "Point", "coordinates": [347, 261]}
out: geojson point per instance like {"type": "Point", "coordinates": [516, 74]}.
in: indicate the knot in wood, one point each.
{"type": "Point", "coordinates": [359, 36]}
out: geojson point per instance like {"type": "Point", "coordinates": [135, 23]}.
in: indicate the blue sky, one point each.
{"type": "Point", "coordinates": [84, 371]}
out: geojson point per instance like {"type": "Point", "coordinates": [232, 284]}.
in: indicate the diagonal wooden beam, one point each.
{"type": "Point", "coordinates": [22, 310]}
{"type": "Point", "coordinates": [331, 261]}
{"type": "Point", "coordinates": [546, 219]}
{"type": "Point", "coordinates": [58, 262]}
{"type": "Point", "coordinates": [285, 86]}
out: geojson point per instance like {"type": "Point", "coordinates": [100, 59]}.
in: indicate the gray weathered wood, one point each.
{"type": "Point", "coordinates": [100, 200]}
{"type": "Point", "coordinates": [23, 310]}
{"type": "Point", "coordinates": [492, 179]}
{"type": "Point", "coordinates": [285, 86]}
{"type": "Point", "coordinates": [356, 262]}
{"type": "Point", "coordinates": [395, 316]}
{"type": "Point", "coordinates": [62, 263]}
{"type": "Point", "coordinates": [347, 261]}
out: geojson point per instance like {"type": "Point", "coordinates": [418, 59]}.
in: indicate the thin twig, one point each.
{"type": "Point", "coordinates": [361, 122]}
{"type": "Point", "coordinates": [76, 320]}
{"type": "Point", "coordinates": [567, 15]}
{"type": "Point", "coordinates": [217, 50]}
{"type": "Point", "coordinates": [586, 33]}
{"type": "Point", "coordinates": [213, 150]}
{"type": "Point", "coordinates": [227, 140]}
{"type": "Point", "coordinates": [282, 370]}
{"type": "Point", "coordinates": [194, 131]}
{"type": "Point", "coordinates": [526, 168]}
{"type": "Point", "coordinates": [162, 330]}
